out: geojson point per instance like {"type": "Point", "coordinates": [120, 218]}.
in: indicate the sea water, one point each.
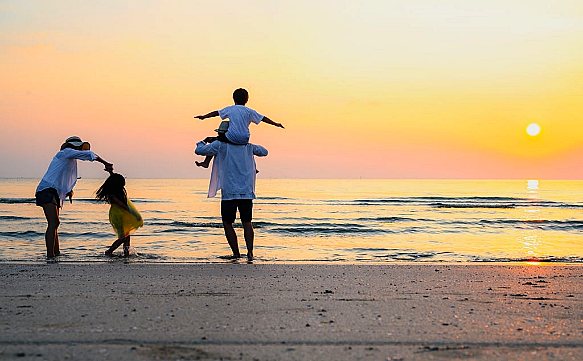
{"type": "Point", "coordinates": [301, 220]}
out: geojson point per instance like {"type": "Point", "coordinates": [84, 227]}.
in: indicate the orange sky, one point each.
{"type": "Point", "coordinates": [385, 89]}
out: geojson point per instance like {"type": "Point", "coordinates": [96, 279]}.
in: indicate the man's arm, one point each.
{"type": "Point", "coordinates": [209, 115]}
{"type": "Point", "coordinates": [259, 150]}
{"type": "Point", "coordinates": [203, 148]}
{"type": "Point", "coordinates": [269, 121]}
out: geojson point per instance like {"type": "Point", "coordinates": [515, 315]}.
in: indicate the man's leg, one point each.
{"type": "Point", "coordinates": [52, 216]}
{"type": "Point", "coordinates": [246, 213]}
{"type": "Point", "coordinates": [232, 238]}
{"type": "Point", "coordinates": [249, 238]}
{"type": "Point", "coordinates": [228, 214]}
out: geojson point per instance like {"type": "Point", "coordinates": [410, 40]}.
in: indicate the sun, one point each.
{"type": "Point", "coordinates": [533, 129]}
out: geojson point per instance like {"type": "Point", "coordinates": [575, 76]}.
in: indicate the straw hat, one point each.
{"type": "Point", "coordinates": [74, 141]}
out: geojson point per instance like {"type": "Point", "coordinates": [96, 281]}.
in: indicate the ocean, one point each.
{"type": "Point", "coordinates": [306, 220]}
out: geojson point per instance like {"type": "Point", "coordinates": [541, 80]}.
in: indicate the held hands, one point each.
{"type": "Point", "coordinates": [109, 168]}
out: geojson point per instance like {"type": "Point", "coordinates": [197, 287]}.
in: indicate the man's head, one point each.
{"type": "Point", "coordinates": [240, 96]}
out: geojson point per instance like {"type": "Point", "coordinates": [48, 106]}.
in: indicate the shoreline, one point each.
{"type": "Point", "coordinates": [258, 261]}
{"type": "Point", "coordinates": [145, 311]}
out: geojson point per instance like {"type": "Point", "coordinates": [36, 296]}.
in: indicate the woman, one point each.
{"type": "Point", "coordinates": [58, 183]}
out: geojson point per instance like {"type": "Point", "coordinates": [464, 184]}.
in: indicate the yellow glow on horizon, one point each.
{"type": "Point", "coordinates": [426, 89]}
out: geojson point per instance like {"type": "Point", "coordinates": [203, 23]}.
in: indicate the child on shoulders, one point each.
{"type": "Point", "coordinates": [236, 131]}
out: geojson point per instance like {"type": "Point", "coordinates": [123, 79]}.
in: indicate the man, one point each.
{"type": "Point", "coordinates": [234, 173]}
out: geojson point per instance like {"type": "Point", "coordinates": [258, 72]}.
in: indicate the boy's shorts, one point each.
{"type": "Point", "coordinates": [229, 210]}
{"type": "Point", "coordinates": [47, 196]}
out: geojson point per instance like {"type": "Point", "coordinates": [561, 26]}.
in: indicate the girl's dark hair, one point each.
{"type": "Point", "coordinates": [114, 186]}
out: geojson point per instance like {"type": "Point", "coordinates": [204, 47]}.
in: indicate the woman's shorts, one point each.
{"type": "Point", "coordinates": [47, 196]}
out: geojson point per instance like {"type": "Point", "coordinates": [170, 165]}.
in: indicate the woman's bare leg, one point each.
{"type": "Point", "coordinates": [51, 238]}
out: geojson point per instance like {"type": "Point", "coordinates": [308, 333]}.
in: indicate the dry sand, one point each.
{"type": "Point", "coordinates": [132, 311]}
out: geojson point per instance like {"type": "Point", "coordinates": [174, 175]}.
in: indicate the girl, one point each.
{"type": "Point", "coordinates": [58, 183]}
{"type": "Point", "coordinates": [123, 216]}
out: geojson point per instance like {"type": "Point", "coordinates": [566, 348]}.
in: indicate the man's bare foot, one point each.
{"type": "Point", "coordinates": [249, 257]}
{"type": "Point", "coordinates": [202, 164]}
{"type": "Point", "coordinates": [108, 252]}
{"type": "Point", "coordinates": [126, 251]}
{"type": "Point", "coordinates": [231, 257]}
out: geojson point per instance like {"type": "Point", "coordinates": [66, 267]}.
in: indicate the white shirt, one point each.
{"type": "Point", "coordinates": [239, 117]}
{"type": "Point", "coordinates": [62, 172]}
{"type": "Point", "coordinates": [233, 169]}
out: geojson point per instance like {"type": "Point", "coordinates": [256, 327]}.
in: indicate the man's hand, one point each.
{"type": "Point", "coordinates": [209, 139]}
{"type": "Point", "coordinates": [279, 125]}
{"type": "Point", "coordinates": [109, 168]}
{"type": "Point", "coordinates": [201, 117]}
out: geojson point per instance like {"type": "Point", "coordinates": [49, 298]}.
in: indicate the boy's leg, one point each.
{"type": "Point", "coordinates": [205, 163]}
{"type": "Point", "coordinates": [52, 215]}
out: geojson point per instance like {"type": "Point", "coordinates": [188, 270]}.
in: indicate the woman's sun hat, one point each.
{"type": "Point", "coordinates": [74, 141]}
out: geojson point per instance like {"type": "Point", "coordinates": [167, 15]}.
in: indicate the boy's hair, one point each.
{"type": "Point", "coordinates": [240, 96]}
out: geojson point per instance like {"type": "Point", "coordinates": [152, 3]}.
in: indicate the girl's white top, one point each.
{"type": "Point", "coordinates": [62, 172]}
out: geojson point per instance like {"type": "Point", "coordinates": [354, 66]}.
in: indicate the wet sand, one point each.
{"type": "Point", "coordinates": [132, 311]}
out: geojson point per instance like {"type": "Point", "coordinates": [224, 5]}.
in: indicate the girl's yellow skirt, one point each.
{"type": "Point", "coordinates": [124, 222]}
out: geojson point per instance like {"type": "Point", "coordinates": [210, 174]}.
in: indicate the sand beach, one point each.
{"type": "Point", "coordinates": [137, 311]}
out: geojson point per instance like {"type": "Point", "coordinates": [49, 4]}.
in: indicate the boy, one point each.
{"type": "Point", "coordinates": [239, 117]}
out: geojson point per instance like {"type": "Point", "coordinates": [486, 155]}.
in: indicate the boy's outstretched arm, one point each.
{"type": "Point", "coordinates": [269, 121]}
{"type": "Point", "coordinates": [209, 115]}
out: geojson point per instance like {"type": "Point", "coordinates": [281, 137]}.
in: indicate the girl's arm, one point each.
{"type": "Point", "coordinates": [209, 115]}
{"type": "Point", "coordinates": [119, 203]}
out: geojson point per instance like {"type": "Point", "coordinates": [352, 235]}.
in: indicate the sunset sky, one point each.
{"type": "Point", "coordinates": [374, 89]}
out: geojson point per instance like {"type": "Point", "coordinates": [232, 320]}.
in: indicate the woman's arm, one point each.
{"type": "Point", "coordinates": [108, 166]}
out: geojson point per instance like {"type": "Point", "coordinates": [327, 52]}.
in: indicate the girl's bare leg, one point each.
{"type": "Point", "coordinates": [126, 247]}
{"type": "Point", "coordinates": [115, 245]}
